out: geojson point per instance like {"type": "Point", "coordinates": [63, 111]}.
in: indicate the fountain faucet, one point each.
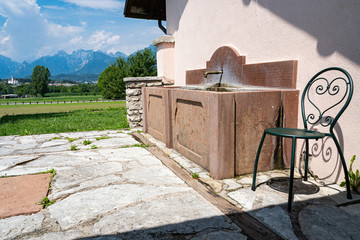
{"type": "Point", "coordinates": [212, 72]}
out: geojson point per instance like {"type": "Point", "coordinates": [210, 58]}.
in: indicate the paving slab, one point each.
{"type": "Point", "coordinates": [154, 175]}
{"type": "Point", "coordinates": [311, 217]}
{"type": "Point", "coordinates": [15, 226]}
{"type": "Point", "coordinates": [71, 234]}
{"type": "Point", "coordinates": [81, 207]}
{"type": "Point", "coordinates": [276, 218]}
{"type": "Point", "coordinates": [352, 209]}
{"type": "Point", "coordinates": [196, 217]}
{"type": "Point", "coordinates": [21, 170]}
{"type": "Point", "coordinates": [126, 193]}
{"type": "Point", "coordinates": [245, 197]}
{"type": "Point", "coordinates": [4, 151]}
{"type": "Point", "coordinates": [21, 195]}
{"type": "Point", "coordinates": [318, 221]}
{"type": "Point", "coordinates": [56, 160]}
{"type": "Point", "coordinates": [55, 142]}
{"type": "Point", "coordinates": [76, 175]}
{"type": "Point", "coordinates": [84, 186]}
{"type": "Point", "coordinates": [6, 140]}
{"type": "Point", "coordinates": [37, 149]}
{"type": "Point", "coordinates": [231, 184]}
{"type": "Point", "coordinates": [108, 193]}
{"type": "Point", "coordinates": [220, 235]}
{"type": "Point", "coordinates": [11, 161]}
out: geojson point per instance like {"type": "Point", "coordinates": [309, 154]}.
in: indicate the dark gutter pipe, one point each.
{"type": "Point", "coordinates": [161, 26]}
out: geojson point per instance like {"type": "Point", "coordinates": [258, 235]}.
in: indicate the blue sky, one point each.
{"type": "Point", "coordinates": [33, 28]}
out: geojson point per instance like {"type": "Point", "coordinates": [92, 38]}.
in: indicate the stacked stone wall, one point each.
{"type": "Point", "coordinates": [134, 103]}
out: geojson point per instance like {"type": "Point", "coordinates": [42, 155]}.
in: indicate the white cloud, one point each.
{"type": "Point", "coordinates": [53, 7]}
{"type": "Point", "coordinates": [113, 5]}
{"type": "Point", "coordinates": [4, 40]}
{"type": "Point", "coordinates": [18, 8]}
{"type": "Point", "coordinates": [27, 34]}
{"type": "Point", "coordinates": [102, 40]}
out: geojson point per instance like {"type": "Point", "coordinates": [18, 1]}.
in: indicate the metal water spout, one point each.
{"type": "Point", "coordinates": [214, 72]}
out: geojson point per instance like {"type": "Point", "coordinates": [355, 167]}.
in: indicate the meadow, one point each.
{"type": "Point", "coordinates": [55, 118]}
{"type": "Point", "coordinates": [54, 98]}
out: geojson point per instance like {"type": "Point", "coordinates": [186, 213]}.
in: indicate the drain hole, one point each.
{"type": "Point", "coordinates": [281, 184]}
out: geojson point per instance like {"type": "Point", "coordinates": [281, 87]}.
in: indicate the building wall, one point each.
{"type": "Point", "coordinates": [318, 34]}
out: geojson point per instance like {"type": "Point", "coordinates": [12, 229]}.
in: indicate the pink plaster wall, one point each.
{"type": "Point", "coordinates": [318, 34]}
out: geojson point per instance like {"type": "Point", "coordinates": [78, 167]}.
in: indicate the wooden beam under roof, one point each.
{"type": "Point", "coordinates": [146, 9]}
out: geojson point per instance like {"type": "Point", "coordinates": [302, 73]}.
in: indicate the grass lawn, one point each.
{"type": "Point", "coordinates": [73, 98]}
{"type": "Point", "coordinates": [53, 108]}
{"type": "Point", "coordinates": [40, 119]}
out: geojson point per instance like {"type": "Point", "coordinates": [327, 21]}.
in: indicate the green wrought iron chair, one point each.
{"type": "Point", "coordinates": [339, 89]}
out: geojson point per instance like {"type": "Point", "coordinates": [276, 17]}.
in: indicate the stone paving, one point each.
{"type": "Point", "coordinates": [321, 211]}
{"type": "Point", "coordinates": [108, 189]}
{"type": "Point", "coordinates": [113, 188]}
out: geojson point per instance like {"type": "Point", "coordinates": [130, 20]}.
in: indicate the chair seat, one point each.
{"type": "Point", "coordinates": [294, 132]}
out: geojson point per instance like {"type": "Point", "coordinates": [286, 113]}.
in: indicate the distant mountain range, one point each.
{"type": "Point", "coordinates": [80, 65]}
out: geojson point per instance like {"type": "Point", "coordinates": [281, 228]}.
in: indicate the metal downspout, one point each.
{"type": "Point", "coordinates": [161, 26]}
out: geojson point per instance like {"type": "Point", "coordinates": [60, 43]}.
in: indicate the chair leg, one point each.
{"type": "Point", "coordinates": [290, 197]}
{"type": "Point", "coordinates": [257, 160]}
{"type": "Point", "coordinates": [306, 159]}
{"type": "Point", "coordinates": [344, 167]}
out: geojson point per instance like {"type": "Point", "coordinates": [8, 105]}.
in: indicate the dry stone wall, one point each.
{"type": "Point", "coordinates": [134, 102]}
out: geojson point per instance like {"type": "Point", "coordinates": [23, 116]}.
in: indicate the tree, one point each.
{"type": "Point", "coordinates": [40, 80]}
{"type": "Point", "coordinates": [142, 64]}
{"type": "Point", "coordinates": [6, 88]}
{"type": "Point", "coordinates": [111, 80]}
{"type": "Point", "coordinates": [24, 89]}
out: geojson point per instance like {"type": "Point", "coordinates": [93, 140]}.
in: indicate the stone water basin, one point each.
{"type": "Point", "coordinates": [220, 127]}
{"type": "Point", "coordinates": [220, 131]}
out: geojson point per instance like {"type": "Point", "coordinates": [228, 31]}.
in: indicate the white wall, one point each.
{"type": "Point", "coordinates": [318, 34]}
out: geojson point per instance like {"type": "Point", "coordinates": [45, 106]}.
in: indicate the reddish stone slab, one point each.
{"type": "Point", "coordinates": [219, 130]}
{"type": "Point", "coordinates": [20, 195]}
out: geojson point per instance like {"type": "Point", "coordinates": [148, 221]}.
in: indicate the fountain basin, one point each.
{"type": "Point", "coordinates": [217, 130]}
{"type": "Point", "coordinates": [220, 129]}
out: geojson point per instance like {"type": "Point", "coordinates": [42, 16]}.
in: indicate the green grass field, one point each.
{"type": "Point", "coordinates": [55, 118]}
{"type": "Point", "coordinates": [73, 98]}
{"type": "Point", "coordinates": [53, 108]}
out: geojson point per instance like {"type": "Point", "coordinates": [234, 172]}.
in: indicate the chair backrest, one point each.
{"type": "Point", "coordinates": [325, 98]}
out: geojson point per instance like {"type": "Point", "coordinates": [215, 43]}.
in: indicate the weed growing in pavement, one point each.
{"type": "Point", "coordinates": [45, 202]}
{"type": "Point", "coordinates": [74, 148]}
{"type": "Point", "coordinates": [55, 138]}
{"type": "Point", "coordinates": [102, 137]}
{"type": "Point", "coordinates": [94, 146]}
{"type": "Point", "coordinates": [195, 175]}
{"type": "Point", "coordinates": [52, 171]}
{"type": "Point", "coordinates": [136, 145]}
{"type": "Point", "coordinates": [72, 139]}
{"type": "Point", "coordinates": [87, 142]}
{"type": "Point", "coordinates": [354, 177]}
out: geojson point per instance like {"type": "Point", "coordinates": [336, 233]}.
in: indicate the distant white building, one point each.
{"type": "Point", "coordinates": [13, 81]}
{"type": "Point", "coordinates": [5, 96]}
